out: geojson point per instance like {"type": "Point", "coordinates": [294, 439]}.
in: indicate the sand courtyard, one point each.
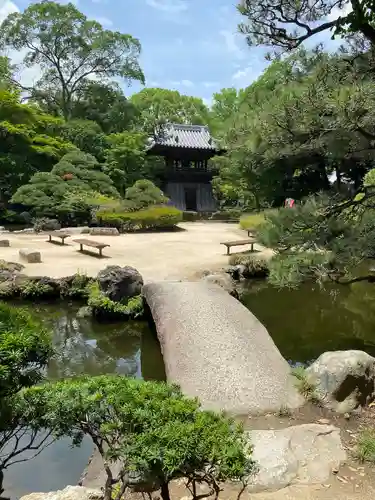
{"type": "Point", "coordinates": [173, 255]}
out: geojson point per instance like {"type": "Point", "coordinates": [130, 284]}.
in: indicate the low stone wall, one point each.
{"type": "Point", "coordinates": [217, 350]}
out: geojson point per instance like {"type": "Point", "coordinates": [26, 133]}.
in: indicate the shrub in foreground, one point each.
{"type": "Point", "coordinates": [156, 217]}
{"type": "Point", "coordinates": [255, 267]}
{"type": "Point", "coordinates": [149, 428]}
{"type": "Point", "coordinates": [25, 347]}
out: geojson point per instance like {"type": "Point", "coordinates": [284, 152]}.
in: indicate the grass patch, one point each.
{"type": "Point", "coordinates": [304, 387]}
{"type": "Point", "coordinates": [255, 219]}
{"type": "Point", "coordinates": [365, 447]}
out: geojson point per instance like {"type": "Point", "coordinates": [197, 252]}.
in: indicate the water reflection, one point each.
{"type": "Point", "coordinates": [83, 347]}
{"type": "Point", "coordinates": [308, 321]}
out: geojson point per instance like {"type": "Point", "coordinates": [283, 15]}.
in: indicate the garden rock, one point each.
{"type": "Point", "coordinates": [4, 243]}
{"type": "Point", "coordinates": [224, 280]}
{"type": "Point", "coordinates": [236, 272]}
{"type": "Point", "coordinates": [344, 380]}
{"type": "Point", "coordinates": [12, 267]}
{"type": "Point", "coordinates": [68, 493]}
{"type": "Point", "coordinates": [120, 283]}
{"type": "Point", "coordinates": [104, 231]}
{"type": "Point", "coordinates": [301, 454]}
{"type": "Point", "coordinates": [215, 349]}
{"type": "Point", "coordinates": [30, 256]}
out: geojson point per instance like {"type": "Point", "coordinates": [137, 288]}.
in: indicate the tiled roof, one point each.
{"type": "Point", "coordinates": [186, 136]}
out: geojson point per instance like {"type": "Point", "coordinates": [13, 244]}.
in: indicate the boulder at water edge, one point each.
{"type": "Point", "coordinates": [217, 350]}
{"type": "Point", "coordinates": [68, 493]}
{"type": "Point", "coordinates": [120, 283]}
{"type": "Point", "coordinates": [301, 454]}
{"type": "Point", "coordinates": [344, 380]}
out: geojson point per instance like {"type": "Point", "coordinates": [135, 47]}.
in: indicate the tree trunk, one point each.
{"type": "Point", "coordinates": [164, 490]}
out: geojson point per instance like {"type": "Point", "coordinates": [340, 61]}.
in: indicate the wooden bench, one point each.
{"type": "Point", "coordinates": [93, 244]}
{"type": "Point", "coordinates": [230, 244]}
{"type": "Point", "coordinates": [58, 234]}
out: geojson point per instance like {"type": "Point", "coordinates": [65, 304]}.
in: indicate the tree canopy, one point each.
{"type": "Point", "coordinates": [69, 49]}
{"type": "Point", "coordinates": [286, 25]}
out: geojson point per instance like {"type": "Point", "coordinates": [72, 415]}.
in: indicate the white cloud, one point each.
{"type": "Point", "coordinates": [182, 83]}
{"type": "Point", "coordinates": [245, 76]}
{"type": "Point", "coordinates": [336, 12]}
{"type": "Point", "coordinates": [231, 43]}
{"type": "Point", "coordinates": [187, 83]}
{"type": "Point", "coordinates": [171, 6]}
{"type": "Point", "coordinates": [104, 21]}
{"type": "Point", "coordinates": [209, 85]}
{"type": "Point", "coordinates": [27, 76]}
{"type": "Point", "coordinates": [7, 7]}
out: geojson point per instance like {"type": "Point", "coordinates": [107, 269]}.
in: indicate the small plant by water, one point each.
{"type": "Point", "coordinates": [103, 306]}
{"type": "Point", "coordinates": [303, 385]}
{"type": "Point", "coordinates": [255, 267]}
{"type": "Point", "coordinates": [365, 447]}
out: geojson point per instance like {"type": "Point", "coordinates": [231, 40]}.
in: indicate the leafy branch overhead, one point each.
{"type": "Point", "coordinates": [286, 24]}
{"type": "Point", "coordinates": [70, 50]}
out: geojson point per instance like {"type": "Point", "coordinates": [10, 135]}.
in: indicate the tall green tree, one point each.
{"type": "Point", "coordinates": [70, 49]}
{"type": "Point", "coordinates": [158, 106]}
{"type": "Point", "coordinates": [28, 142]}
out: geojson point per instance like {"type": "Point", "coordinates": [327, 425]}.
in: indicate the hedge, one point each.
{"type": "Point", "coordinates": [152, 217]}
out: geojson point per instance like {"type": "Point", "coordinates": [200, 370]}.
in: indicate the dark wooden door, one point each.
{"type": "Point", "coordinates": [191, 198]}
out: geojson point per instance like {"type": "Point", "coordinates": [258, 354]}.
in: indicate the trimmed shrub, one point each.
{"type": "Point", "coordinates": [227, 214]}
{"type": "Point", "coordinates": [255, 267]}
{"type": "Point", "coordinates": [151, 218]}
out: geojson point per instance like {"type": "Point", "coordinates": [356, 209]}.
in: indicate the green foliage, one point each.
{"type": "Point", "coordinates": [126, 159]}
{"type": "Point", "coordinates": [150, 218]}
{"type": "Point", "coordinates": [294, 23]}
{"type": "Point", "coordinates": [148, 427]}
{"type": "Point", "coordinates": [253, 220]}
{"type": "Point", "coordinates": [103, 307]}
{"type": "Point", "coordinates": [70, 191]}
{"type": "Point", "coordinates": [255, 267]}
{"type": "Point", "coordinates": [87, 136]}
{"type": "Point", "coordinates": [365, 446]}
{"type": "Point", "coordinates": [36, 290]}
{"type": "Point", "coordinates": [25, 347]}
{"type": "Point", "coordinates": [77, 287]}
{"type": "Point", "coordinates": [69, 49]}
{"type": "Point", "coordinates": [143, 195]}
{"type": "Point", "coordinates": [304, 387]}
{"type": "Point", "coordinates": [28, 144]}
{"type": "Point", "coordinates": [158, 106]}
{"type": "Point", "coordinates": [24, 350]}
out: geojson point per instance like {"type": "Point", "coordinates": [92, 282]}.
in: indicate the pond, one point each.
{"type": "Point", "coordinates": [308, 321]}
{"type": "Point", "coordinates": [303, 323]}
{"type": "Point", "coordinates": [83, 347]}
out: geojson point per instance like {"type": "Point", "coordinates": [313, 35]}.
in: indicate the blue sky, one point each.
{"type": "Point", "coordinates": [188, 45]}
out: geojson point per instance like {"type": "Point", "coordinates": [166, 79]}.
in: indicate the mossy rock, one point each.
{"type": "Point", "coordinates": [105, 309]}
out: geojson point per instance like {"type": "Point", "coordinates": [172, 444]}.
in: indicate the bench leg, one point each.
{"type": "Point", "coordinates": [80, 247]}
{"type": "Point", "coordinates": [228, 250]}
{"type": "Point", "coordinates": [252, 247]}
{"type": "Point", "coordinates": [63, 241]}
{"type": "Point", "coordinates": [49, 238]}
{"type": "Point", "coordinates": [100, 252]}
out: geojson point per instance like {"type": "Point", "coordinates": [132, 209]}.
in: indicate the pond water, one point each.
{"type": "Point", "coordinates": [308, 321]}
{"type": "Point", "coordinates": [83, 347]}
{"type": "Point", "coordinates": [303, 323]}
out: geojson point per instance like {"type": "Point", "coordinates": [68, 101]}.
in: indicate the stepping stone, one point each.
{"type": "Point", "coordinates": [30, 256]}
